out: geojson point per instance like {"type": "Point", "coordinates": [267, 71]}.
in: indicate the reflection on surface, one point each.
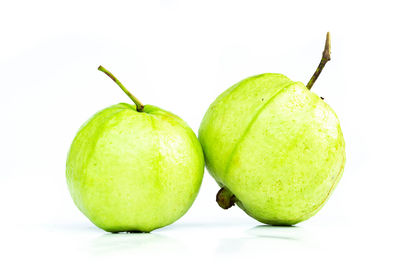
{"type": "Point", "coordinates": [184, 240]}
{"type": "Point", "coordinates": [277, 232]}
{"type": "Point", "coordinates": [133, 243]}
{"type": "Point", "coordinates": [261, 239]}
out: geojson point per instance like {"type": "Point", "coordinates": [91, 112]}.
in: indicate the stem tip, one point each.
{"type": "Point", "coordinates": [326, 56]}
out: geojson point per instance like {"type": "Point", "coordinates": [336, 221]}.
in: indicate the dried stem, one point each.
{"type": "Point", "coordinates": [326, 56]}
{"type": "Point", "coordinates": [225, 198]}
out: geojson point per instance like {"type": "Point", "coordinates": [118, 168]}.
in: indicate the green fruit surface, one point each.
{"type": "Point", "coordinates": [134, 171]}
{"type": "Point", "coordinates": [276, 146]}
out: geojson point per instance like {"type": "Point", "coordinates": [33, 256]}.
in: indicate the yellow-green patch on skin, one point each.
{"type": "Point", "coordinates": [226, 129]}
{"type": "Point", "coordinates": [134, 171]}
{"type": "Point", "coordinates": [283, 156]}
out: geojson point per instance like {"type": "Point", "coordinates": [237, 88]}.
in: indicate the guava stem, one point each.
{"type": "Point", "coordinates": [139, 105]}
{"type": "Point", "coordinates": [225, 198]}
{"type": "Point", "coordinates": [326, 56]}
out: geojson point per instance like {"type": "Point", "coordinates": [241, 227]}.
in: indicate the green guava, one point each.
{"type": "Point", "coordinates": [134, 168]}
{"type": "Point", "coordinates": [275, 148]}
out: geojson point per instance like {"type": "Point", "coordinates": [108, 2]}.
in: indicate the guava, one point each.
{"type": "Point", "coordinates": [275, 148]}
{"type": "Point", "coordinates": [134, 168]}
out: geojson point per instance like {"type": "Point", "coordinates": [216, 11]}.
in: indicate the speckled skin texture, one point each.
{"type": "Point", "coordinates": [134, 171]}
{"type": "Point", "coordinates": [276, 146]}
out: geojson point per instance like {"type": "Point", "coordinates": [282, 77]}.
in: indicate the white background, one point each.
{"type": "Point", "coordinates": [180, 55]}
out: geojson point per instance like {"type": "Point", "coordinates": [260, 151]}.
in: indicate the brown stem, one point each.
{"type": "Point", "coordinates": [225, 198]}
{"type": "Point", "coordinates": [326, 56]}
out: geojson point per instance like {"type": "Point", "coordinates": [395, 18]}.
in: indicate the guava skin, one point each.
{"type": "Point", "coordinates": [276, 146]}
{"type": "Point", "coordinates": [134, 171]}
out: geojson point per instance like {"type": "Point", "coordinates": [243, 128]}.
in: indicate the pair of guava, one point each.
{"type": "Point", "coordinates": [275, 148]}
